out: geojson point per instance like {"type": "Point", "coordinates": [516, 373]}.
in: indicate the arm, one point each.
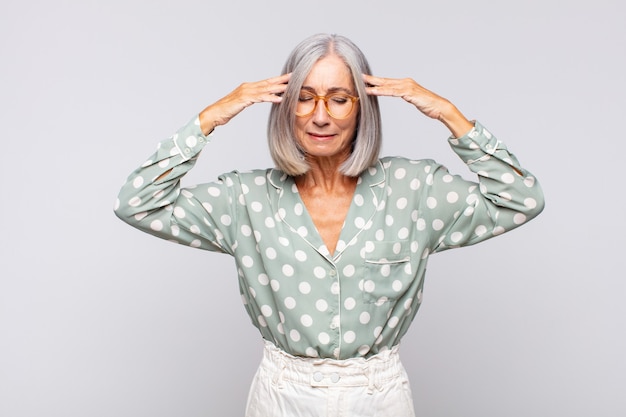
{"type": "Point", "coordinates": [461, 212]}
{"type": "Point", "coordinates": [152, 199]}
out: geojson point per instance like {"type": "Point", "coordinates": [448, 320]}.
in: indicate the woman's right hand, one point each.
{"type": "Point", "coordinates": [247, 94]}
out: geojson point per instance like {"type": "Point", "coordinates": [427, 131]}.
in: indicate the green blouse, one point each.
{"type": "Point", "coordinates": [361, 299]}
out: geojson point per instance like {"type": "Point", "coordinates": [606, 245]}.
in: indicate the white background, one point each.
{"type": "Point", "coordinates": [98, 319]}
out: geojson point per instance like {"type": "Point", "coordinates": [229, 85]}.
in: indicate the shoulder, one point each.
{"type": "Point", "coordinates": [398, 167]}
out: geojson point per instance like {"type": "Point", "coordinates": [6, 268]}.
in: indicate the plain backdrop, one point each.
{"type": "Point", "coordinates": [100, 320]}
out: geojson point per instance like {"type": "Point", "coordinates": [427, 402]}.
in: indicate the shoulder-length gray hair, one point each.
{"type": "Point", "coordinates": [366, 144]}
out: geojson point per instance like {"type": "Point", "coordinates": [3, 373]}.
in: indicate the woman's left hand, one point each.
{"type": "Point", "coordinates": [427, 102]}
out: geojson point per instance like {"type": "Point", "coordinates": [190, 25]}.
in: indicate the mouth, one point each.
{"type": "Point", "coordinates": [321, 136]}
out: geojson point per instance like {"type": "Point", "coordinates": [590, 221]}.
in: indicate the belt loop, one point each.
{"type": "Point", "coordinates": [278, 376]}
{"type": "Point", "coordinates": [370, 380]}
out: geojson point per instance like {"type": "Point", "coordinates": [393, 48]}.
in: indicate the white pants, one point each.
{"type": "Point", "coordinates": [289, 386]}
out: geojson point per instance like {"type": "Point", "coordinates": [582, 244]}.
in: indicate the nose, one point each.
{"type": "Point", "coordinates": [320, 114]}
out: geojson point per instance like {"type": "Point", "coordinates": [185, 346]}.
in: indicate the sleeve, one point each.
{"type": "Point", "coordinates": [152, 200]}
{"type": "Point", "coordinates": [505, 197]}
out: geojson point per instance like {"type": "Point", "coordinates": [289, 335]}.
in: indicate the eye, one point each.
{"type": "Point", "coordinates": [339, 98]}
{"type": "Point", "coordinates": [305, 96]}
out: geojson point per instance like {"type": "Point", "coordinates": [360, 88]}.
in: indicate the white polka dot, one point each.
{"type": "Point", "coordinates": [498, 230]}
{"type": "Point", "coordinates": [349, 336]}
{"type": "Point", "coordinates": [195, 243]}
{"type": "Point", "coordinates": [290, 303]}
{"type": "Point", "coordinates": [364, 317]}
{"type": "Point", "coordinates": [298, 209]}
{"type": "Point", "coordinates": [529, 181]}
{"type": "Point", "coordinates": [134, 202]}
{"type": "Point", "coordinates": [271, 253]}
{"type": "Point", "coordinates": [283, 241]}
{"type": "Point", "coordinates": [438, 224]}
{"type": "Point", "coordinates": [301, 256]}
{"type": "Point", "coordinates": [349, 270]}
{"type": "Point", "coordinates": [275, 285]}
{"type": "Point", "coordinates": [456, 237]}
{"type": "Point", "coordinates": [304, 287]}
{"type": "Point", "coordinates": [385, 270]}
{"type": "Point", "coordinates": [288, 270]}
{"type": "Point", "coordinates": [452, 197]}
{"type": "Point", "coordinates": [194, 229]}
{"type": "Point", "coordinates": [266, 310]}
{"type": "Point", "coordinates": [269, 223]}
{"type": "Point", "coordinates": [302, 231]}
{"type": "Point", "coordinates": [138, 182]}
{"type": "Point", "coordinates": [319, 272]}
{"type": "Point", "coordinates": [403, 233]}
{"type": "Point", "coordinates": [263, 279]}
{"type": "Point", "coordinates": [256, 206]}
{"type": "Point", "coordinates": [140, 216]}
{"type": "Point", "coordinates": [321, 305]}
{"type": "Point", "coordinates": [393, 322]}
{"type": "Point", "coordinates": [323, 338]}
{"type": "Point", "coordinates": [369, 286]}
{"type": "Point", "coordinates": [531, 203]}
{"type": "Point", "coordinates": [306, 320]}
{"type": "Point", "coordinates": [480, 230]}
{"type": "Point", "coordinates": [507, 178]}
{"type": "Point", "coordinates": [415, 184]}
{"type": "Point", "coordinates": [191, 141]}
{"type": "Point", "coordinates": [214, 191]}
{"type": "Point", "coordinates": [396, 285]}
{"type": "Point", "coordinates": [262, 321]}
{"type": "Point", "coordinates": [179, 212]}
{"type": "Point", "coordinates": [377, 331]}
{"type": "Point", "coordinates": [358, 200]}
{"type": "Point", "coordinates": [349, 303]}
{"type": "Point", "coordinates": [225, 219]}
{"type": "Point", "coordinates": [519, 218]}
{"type": "Point", "coordinates": [247, 261]}
{"type": "Point", "coordinates": [359, 222]}
{"type": "Point", "coordinates": [389, 220]}
{"type": "Point", "coordinates": [259, 180]}
{"type": "Point", "coordinates": [246, 230]}
{"type": "Point", "coordinates": [164, 163]}
{"type": "Point", "coordinates": [431, 202]}
{"type": "Point", "coordinates": [156, 225]}
{"type": "Point", "coordinates": [380, 234]}
{"type": "Point", "coordinates": [402, 203]}
{"type": "Point", "coordinates": [399, 173]}
{"type": "Point", "coordinates": [506, 196]}
{"type": "Point", "coordinates": [294, 335]}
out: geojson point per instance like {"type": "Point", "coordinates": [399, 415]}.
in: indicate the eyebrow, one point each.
{"type": "Point", "coordinates": [330, 90]}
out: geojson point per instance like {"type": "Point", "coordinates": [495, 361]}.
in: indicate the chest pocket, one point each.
{"type": "Point", "coordinates": [387, 271]}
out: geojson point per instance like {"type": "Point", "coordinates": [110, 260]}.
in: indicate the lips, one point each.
{"type": "Point", "coordinates": [321, 136]}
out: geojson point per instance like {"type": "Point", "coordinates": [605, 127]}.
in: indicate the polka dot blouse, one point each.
{"type": "Point", "coordinates": [361, 299]}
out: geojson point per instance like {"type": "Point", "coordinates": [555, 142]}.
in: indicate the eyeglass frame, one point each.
{"type": "Point", "coordinates": [325, 99]}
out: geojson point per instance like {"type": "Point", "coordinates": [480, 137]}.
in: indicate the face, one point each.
{"type": "Point", "coordinates": [320, 135]}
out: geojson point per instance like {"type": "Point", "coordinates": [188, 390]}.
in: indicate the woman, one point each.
{"type": "Point", "coordinates": [331, 245]}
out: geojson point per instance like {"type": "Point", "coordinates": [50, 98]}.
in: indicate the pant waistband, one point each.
{"type": "Point", "coordinates": [372, 372]}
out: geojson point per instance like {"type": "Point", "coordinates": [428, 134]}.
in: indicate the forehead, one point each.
{"type": "Point", "coordinates": [329, 73]}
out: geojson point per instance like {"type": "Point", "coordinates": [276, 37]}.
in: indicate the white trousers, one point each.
{"type": "Point", "coordinates": [289, 386]}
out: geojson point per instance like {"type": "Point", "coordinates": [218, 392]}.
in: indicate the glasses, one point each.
{"type": "Point", "coordinates": [338, 105]}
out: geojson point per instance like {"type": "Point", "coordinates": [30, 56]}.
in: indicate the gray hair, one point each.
{"type": "Point", "coordinates": [366, 144]}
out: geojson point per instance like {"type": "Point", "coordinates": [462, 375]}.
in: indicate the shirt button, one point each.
{"type": "Point", "coordinates": [334, 323]}
{"type": "Point", "coordinates": [318, 377]}
{"type": "Point", "coordinates": [332, 273]}
{"type": "Point", "coordinates": [335, 377]}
